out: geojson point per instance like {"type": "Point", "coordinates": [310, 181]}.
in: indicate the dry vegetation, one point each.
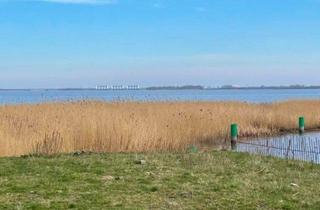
{"type": "Point", "coordinates": [146, 126]}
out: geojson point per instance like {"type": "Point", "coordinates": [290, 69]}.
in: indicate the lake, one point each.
{"type": "Point", "coordinates": [255, 96]}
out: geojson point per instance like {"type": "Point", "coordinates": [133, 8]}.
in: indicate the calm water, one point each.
{"type": "Point", "coordinates": [297, 147]}
{"type": "Point", "coordinates": [259, 96]}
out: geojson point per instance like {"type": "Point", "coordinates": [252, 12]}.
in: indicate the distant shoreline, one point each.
{"type": "Point", "coordinates": [169, 88]}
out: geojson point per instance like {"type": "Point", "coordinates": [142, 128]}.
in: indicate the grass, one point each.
{"type": "Point", "coordinates": [209, 180]}
{"type": "Point", "coordinates": [142, 126]}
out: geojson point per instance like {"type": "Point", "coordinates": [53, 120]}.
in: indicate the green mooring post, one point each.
{"type": "Point", "coordinates": [301, 125]}
{"type": "Point", "coordinates": [234, 136]}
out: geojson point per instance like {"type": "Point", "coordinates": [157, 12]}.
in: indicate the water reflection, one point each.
{"type": "Point", "coordinates": [256, 96]}
{"type": "Point", "coordinates": [297, 147]}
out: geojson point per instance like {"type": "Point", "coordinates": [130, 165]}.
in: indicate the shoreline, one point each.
{"type": "Point", "coordinates": [182, 88]}
{"type": "Point", "coordinates": [293, 131]}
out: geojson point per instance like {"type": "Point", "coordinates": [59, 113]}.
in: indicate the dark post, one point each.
{"type": "Point", "coordinates": [301, 125]}
{"type": "Point", "coordinates": [234, 136]}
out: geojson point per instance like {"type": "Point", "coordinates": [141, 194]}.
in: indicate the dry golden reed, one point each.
{"type": "Point", "coordinates": [141, 126]}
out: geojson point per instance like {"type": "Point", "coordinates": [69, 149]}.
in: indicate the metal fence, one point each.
{"type": "Point", "coordinates": [295, 147]}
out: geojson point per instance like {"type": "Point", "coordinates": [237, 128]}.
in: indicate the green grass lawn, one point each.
{"type": "Point", "coordinates": [214, 180]}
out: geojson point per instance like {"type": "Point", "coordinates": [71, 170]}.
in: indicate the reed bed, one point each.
{"type": "Point", "coordinates": [142, 126]}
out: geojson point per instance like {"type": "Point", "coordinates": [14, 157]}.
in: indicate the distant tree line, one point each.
{"type": "Point", "coordinates": [184, 87]}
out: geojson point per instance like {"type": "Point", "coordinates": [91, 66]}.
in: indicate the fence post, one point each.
{"type": "Point", "coordinates": [234, 136]}
{"type": "Point", "coordinates": [301, 125]}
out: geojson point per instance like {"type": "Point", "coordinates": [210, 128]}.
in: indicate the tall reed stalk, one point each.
{"type": "Point", "coordinates": [141, 126]}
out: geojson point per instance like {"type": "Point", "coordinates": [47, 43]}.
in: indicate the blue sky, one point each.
{"type": "Point", "coordinates": [82, 43]}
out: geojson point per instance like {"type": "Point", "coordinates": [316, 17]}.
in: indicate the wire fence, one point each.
{"type": "Point", "coordinates": [293, 147]}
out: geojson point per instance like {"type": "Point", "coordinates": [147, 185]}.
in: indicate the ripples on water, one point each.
{"type": "Point", "coordinates": [256, 96]}
{"type": "Point", "coordinates": [297, 147]}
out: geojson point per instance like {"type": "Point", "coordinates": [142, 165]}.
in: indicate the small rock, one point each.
{"type": "Point", "coordinates": [107, 178]}
{"type": "Point", "coordinates": [141, 162]}
{"type": "Point", "coordinates": [186, 194]}
{"type": "Point", "coordinates": [78, 153]}
{"type": "Point", "coordinates": [149, 173]}
{"type": "Point", "coordinates": [172, 203]}
{"type": "Point", "coordinates": [294, 185]}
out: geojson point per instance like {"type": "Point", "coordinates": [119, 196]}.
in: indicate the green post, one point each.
{"type": "Point", "coordinates": [234, 136]}
{"type": "Point", "coordinates": [301, 125]}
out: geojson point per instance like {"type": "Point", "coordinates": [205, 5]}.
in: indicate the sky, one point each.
{"type": "Point", "coordinates": [84, 43]}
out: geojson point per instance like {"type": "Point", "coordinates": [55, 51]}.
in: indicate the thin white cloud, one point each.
{"type": "Point", "coordinates": [80, 1]}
